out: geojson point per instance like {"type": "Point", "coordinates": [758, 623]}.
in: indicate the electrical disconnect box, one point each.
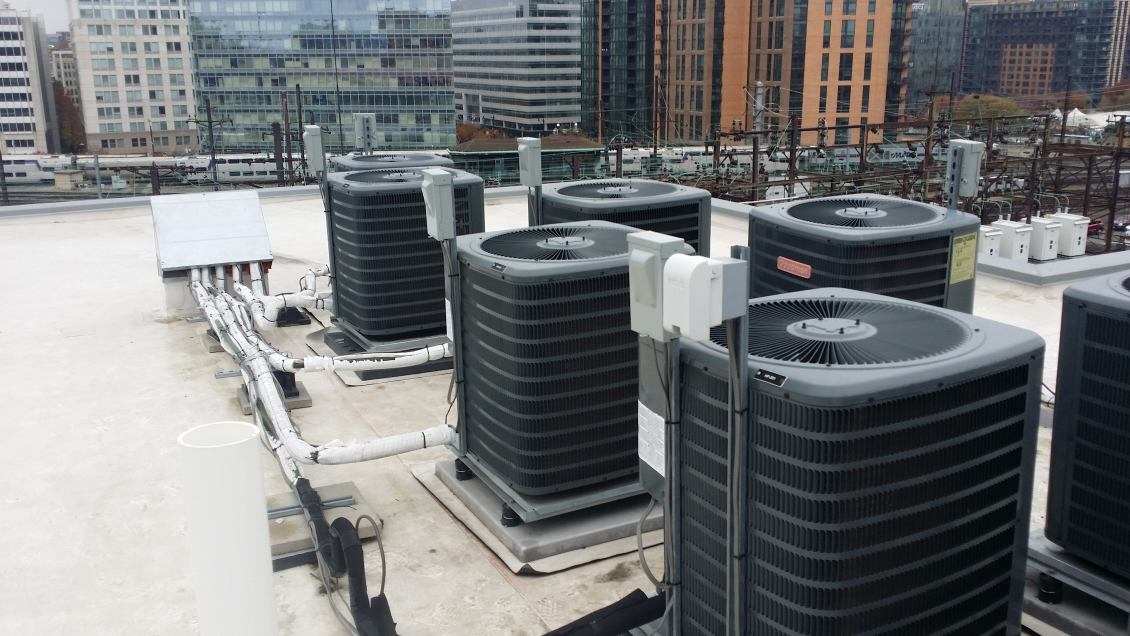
{"type": "Point", "coordinates": [365, 131]}
{"type": "Point", "coordinates": [529, 161]}
{"type": "Point", "coordinates": [439, 203]}
{"type": "Point", "coordinates": [1072, 233]}
{"type": "Point", "coordinates": [964, 166]}
{"type": "Point", "coordinates": [312, 142]}
{"type": "Point", "coordinates": [1016, 239]}
{"type": "Point", "coordinates": [700, 292]}
{"type": "Point", "coordinates": [1045, 239]}
{"type": "Point", "coordinates": [648, 253]}
{"type": "Point", "coordinates": [989, 243]}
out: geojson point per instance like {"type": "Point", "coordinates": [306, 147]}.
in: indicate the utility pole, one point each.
{"type": "Point", "coordinates": [301, 141]}
{"type": "Point", "coordinates": [759, 106]}
{"type": "Point", "coordinates": [755, 166]}
{"type": "Point", "coordinates": [155, 178]}
{"type": "Point", "coordinates": [863, 145]}
{"type": "Point", "coordinates": [285, 102]}
{"type": "Point", "coordinates": [212, 144]}
{"type": "Point", "coordinates": [1117, 180]}
{"type": "Point", "coordinates": [928, 160]}
{"type": "Point", "coordinates": [276, 133]}
{"type": "Point", "coordinates": [794, 142]}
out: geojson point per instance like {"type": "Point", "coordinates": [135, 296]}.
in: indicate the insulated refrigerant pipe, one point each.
{"type": "Point", "coordinates": [227, 529]}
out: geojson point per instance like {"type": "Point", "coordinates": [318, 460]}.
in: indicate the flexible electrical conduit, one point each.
{"type": "Point", "coordinates": [263, 391]}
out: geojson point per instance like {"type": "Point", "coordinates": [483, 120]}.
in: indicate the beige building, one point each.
{"type": "Point", "coordinates": [64, 71]}
{"type": "Point", "coordinates": [27, 99]}
{"type": "Point", "coordinates": [135, 75]}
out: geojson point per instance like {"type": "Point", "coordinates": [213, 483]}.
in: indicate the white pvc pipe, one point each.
{"type": "Point", "coordinates": [227, 529]}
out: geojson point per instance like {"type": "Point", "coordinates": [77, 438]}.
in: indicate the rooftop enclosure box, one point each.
{"type": "Point", "coordinates": [867, 242]}
{"type": "Point", "coordinates": [388, 273]}
{"type": "Point", "coordinates": [890, 460]}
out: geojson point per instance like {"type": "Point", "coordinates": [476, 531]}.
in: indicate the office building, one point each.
{"type": "Point", "coordinates": [64, 71]}
{"type": "Point", "coordinates": [935, 50]}
{"type": "Point", "coordinates": [618, 69]}
{"type": "Point", "coordinates": [134, 66]}
{"type": "Point", "coordinates": [389, 57]}
{"type": "Point", "coordinates": [1034, 50]}
{"type": "Point", "coordinates": [27, 97]}
{"type": "Point", "coordinates": [517, 63]}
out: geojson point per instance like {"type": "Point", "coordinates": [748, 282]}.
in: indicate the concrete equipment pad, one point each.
{"type": "Point", "coordinates": [1061, 270]}
{"type": "Point", "coordinates": [545, 546]}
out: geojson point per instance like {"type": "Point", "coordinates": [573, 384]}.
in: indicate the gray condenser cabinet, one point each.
{"type": "Point", "coordinates": [548, 399]}
{"type": "Point", "coordinates": [667, 208]}
{"type": "Point", "coordinates": [389, 161]}
{"type": "Point", "coordinates": [867, 242]}
{"type": "Point", "coordinates": [890, 457]}
{"type": "Point", "coordinates": [1088, 504]}
{"type": "Point", "coordinates": [388, 273]}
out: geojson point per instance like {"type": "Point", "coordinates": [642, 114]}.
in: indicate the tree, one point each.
{"type": "Point", "coordinates": [1116, 97]}
{"type": "Point", "coordinates": [985, 106]}
{"type": "Point", "coordinates": [72, 134]}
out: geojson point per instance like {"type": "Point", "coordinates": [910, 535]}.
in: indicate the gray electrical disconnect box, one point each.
{"type": "Point", "coordinates": [648, 252]}
{"type": "Point", "coordinates": [439, 203]}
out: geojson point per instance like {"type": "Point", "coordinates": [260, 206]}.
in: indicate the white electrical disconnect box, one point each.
{"type": "Point", "coordinates": [1045, 239]}
{"type": "Point", "coordinates": [1016, 239]}
{"type": "Point", "coordinates": [439, 203]}
{"type": "Point", "coordinates": [989, 243]}
{"type": "Point", "coordinates": [312, 141]}
{"type": "Point", "coordinates": [529, 161]}
{"type": "Point", "coordinates": [700, 292]}
{"type": "Point", "coordinates": [365, 131]}
{"type": "Point", "coordinates": [967, 179]}
{"type": "Point", "coordinates": [1072, 233]}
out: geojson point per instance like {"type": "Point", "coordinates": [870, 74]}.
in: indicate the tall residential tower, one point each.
{"type": "Point", "coordinates": [134, 67]}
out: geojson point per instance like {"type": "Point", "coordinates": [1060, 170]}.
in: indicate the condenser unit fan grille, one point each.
{"type": "Point", "coordinates": [407, 176]}
{"type": "Point", "coordinates": [556, 243]}
{"type": "Point", "coordinates": [863, 213]}
{"type": "Point", "coordinates": [832, 331]}
{"type": "Point", "coordinates": [617, 189]}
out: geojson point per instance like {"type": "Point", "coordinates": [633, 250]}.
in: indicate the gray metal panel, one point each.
{"type": "Point", "coordinates": [209, 228]}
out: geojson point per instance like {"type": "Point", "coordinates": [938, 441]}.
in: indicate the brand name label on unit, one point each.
{"type": "Point", "coordinates": [796, 268]}
{"type": "Point", "coordinates": [498, 267]}
{"type": "Point", "coordinates": [776, 379]}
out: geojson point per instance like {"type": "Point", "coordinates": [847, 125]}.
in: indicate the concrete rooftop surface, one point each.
{"type": "Point", "coordinates": [98, 383]}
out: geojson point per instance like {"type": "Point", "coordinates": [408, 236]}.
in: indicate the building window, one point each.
{"type": "Point", "coordinates": [149, 29]}
{"type": "Point", "coordinates": [870, 6]}
{"type": "Point", "coordinates": [845, 67]}
{"type": "Point", "coordinates": [827, 7]}
{"type": "Point", "coordinates": [847, 35]}
{"type": "Point", "coordinates": [827, 33]}
{"type": "Point", "coordinates": [865, 101]}
{"type": "Point", "coordinates": [866, 67]}
{"type": "Point", "coordinates": [870, 33]}
{"type": "Point", "coordinates": [842, 131]}
{"type": "Point", "coordinates": [843, 98]}
{"type": "Point", "coordinates": [823, 99]}
{"type": "Point", "coordinates": [849, 7]}
{"type": "Point", "coordinates": [824, 67]}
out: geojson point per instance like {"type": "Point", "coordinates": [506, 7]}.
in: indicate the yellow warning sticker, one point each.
{"type": "Point", "coordinates": [963, 258]}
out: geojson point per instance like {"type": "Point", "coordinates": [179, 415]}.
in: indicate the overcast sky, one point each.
{"type": "Point", "coordinates": [54, 12]}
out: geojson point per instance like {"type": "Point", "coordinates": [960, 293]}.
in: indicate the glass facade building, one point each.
{"type": "Point", "coordinates": [388, 57]}
{"type": "Point", "coordinates": [618, 69]}
{"type": "Point", "coordinates": [518, 63]}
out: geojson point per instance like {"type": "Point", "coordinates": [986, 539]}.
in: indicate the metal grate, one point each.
{"type": "Point", "coordinates": [895, 517]}
{"type": "Point", "coordinates": [911, 269]}
{"type": "Point", "coordinates": [551, 379]}
{"type": "Point", "coordinates": [559, 243]}
{"type": "Point", "coordinates": [1088, 512]}
{"type": "Point", "coordinates": [388, 273]}
{"type": "Point", "coordinates": [850, 212]}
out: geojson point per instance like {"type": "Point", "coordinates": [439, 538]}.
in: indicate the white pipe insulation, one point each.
{"type": "Point", "coordinates": [258, 366]}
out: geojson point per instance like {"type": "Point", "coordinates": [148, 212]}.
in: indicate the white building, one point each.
{"type": "Point", "coordinates": [517, 63]}
{"type": "Point", "coordinates": [135, 75]}
{"type": "Point", "coordinates": [27, 99]}
{"type": "Point", "coordinates": [64, 71]}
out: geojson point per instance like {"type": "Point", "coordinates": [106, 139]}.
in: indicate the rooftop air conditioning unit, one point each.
{"type": "Point", "coordinates": [891, 454]}
{"type": "Point", "coordinates": [1016, 238]}
{"type": "Point", "coordinates": [880, 244]}
{"type": "Point", "coordinates": [1045, 239]}
{"type": "Point", "coordinates": [990, 241]}
{"type": "Point", "coordinates": [667, 208]}
{"type": "Point", "coordinates": [388, 273]}
{"type": "Point", "coordinates": [550, 363]}
{"type": "Point", "coordinates": [354, 161]}
{"type": "Point", "coordinates": [1072, 233]}
{"type": "Point", "coordinates": [1088, 511]}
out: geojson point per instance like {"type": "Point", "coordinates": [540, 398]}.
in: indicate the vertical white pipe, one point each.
{"type": "Point", "coordinates": [220, 284]}
{"type": "Point", "coordinates": [227, 529]}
